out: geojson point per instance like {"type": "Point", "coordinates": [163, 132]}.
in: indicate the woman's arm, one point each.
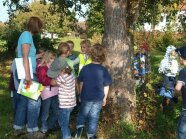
{"type": "Point", "coordinates": [25, 52]}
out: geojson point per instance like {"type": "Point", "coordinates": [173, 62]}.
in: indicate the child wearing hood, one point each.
{"type": "Point", "coordinates": [169, 68]}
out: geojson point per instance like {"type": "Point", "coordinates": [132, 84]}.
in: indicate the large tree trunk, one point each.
{"type": "Point", "coordinates": [118, 40]}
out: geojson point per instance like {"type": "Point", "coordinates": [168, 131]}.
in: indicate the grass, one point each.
{"type": "Point", "coordinates": [6, 118]}
{"type": "Point", "coordinates": [75, 40]}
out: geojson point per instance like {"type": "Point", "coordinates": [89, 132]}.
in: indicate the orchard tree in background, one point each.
{"type": "Point", "coordinates": [95, 19]}
{"type": "Point", "coordinates": [52, 22]}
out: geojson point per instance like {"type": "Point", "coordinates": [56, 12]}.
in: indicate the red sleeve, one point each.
{"type": "Point", "coordinates": [42, 76]}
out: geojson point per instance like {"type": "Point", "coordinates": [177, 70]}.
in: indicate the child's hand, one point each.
{"type": "Point", "coordinates": [53, 82]}
{"type": "Point", "coordinates": [62, 72]}
{"type": "Point", "coordinates": [104, 102]}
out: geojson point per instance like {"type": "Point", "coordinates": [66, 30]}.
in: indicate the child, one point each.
{"type": "Point", "coordinates": [180, 89]}
{"type": "Point", "coordinates": [169, 67]}
{"type": "Point", "coordinates": [94, 86]}
{"type": "Point", "coordinates": [136, 66]}
{"type": "Point", "coordinates": [67, 99]}
{"type": "Point", "coordinates": [83, 58]}
{"type": "Point", "coordinates": [49, 95]}
{"type": "Point", "coordinates": [142, 62]}
{"type": "Point", "coordinates": [72, 56]}
{"type": "Point", "coordinates": [71, 46]}
{"type": "Point", "coordinates": [14, 80]}
{"type": "Point", "coordinates": [64, 51]}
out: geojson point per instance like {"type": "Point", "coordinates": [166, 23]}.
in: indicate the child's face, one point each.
{"type": "Point", "coordinates": [51, 60]}
{"type": "Point", "coordinates": [84, 49]}
{"type": "Point", "coordinates": [68, 52]}
{"type": "Point", "coordinates": [71, 47]}
{"type": "Point", "coordinates": [173, 53]}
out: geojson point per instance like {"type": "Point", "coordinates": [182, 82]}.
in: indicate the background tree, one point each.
{"type": "Point", "coordinates": [52, 22]}
{"type": "Point", "coordinates": [95, 19]}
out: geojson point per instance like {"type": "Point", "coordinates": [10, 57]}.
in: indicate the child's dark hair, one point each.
{"type": "Point", "coordinates": [98, 53]}
{"type": "Point", "coordinates": [68, 70]}
{"type": "Point", "coordinates": [71, 44]}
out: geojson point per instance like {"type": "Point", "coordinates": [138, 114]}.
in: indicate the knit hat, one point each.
{"type": "Point", "coordinates": [56, 67]}
{"type": "Point", "coordinates": [181, 52]}
{"type": "Point", "coordinates": [169, 49]}
{"type": "Point", "coordinates": [165, 62]}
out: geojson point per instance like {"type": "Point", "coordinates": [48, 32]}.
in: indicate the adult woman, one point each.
{"type": "Point", "coordinates": [27, 111]}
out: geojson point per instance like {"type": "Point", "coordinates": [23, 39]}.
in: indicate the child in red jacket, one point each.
{"type": "Point", "coordinates": [49, 94]}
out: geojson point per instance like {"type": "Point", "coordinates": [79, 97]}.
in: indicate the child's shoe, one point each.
{"type": "Point", "coordinates": [19, 132]}
{"type": "Point", "coordinates": [78, 133]}
{"type": "Point", "coordinates": [36, 135]}
{"type": "Point", "coordinates": [175, 100]}
{"type": "Point", "coordinates": [94, 137]}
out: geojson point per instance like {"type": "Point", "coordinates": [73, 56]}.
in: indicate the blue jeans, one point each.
{"type": "Point", "coordinates": [64, 117]}
{"type": "Point", "coordinates": [27, 112]}
{"type": "Point", "coordinates": [181, 128]}
{"type": "Point", "coordinates": [49, 113]}
{"type": "Point", "coordinates": [169, 82]}
{"type": "Point", "coordinates": [15, 100]}
{"type": "Point", "coordinates": [91, 111]}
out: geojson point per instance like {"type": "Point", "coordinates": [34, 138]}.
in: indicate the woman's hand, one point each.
{"type": "Point", "coordinates": [28, 83]}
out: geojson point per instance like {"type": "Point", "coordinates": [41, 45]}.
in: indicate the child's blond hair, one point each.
{"type": "Point", "coordinates": [46, 57]}
{"type": "Point", "coordinates": [86, 43]}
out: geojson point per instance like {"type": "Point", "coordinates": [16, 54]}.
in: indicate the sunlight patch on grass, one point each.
{"type": "Point", "coordinates": [76, 41]}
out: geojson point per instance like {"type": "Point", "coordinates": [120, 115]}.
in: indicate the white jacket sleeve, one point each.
{"type": "Point", "coordinates": [174, 66]}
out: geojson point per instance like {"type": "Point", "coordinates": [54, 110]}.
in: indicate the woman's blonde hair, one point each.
{"type": "Point", "coordinates": [46, 57]}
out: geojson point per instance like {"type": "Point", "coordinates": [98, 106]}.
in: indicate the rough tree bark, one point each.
{"type": "Point", "coordinates": [118, 40]}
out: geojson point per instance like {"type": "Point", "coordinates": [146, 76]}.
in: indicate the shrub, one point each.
{"type": "Point", "coordinates": [164, 40]}
{"type": "Point", "coordinates": [12, 39]}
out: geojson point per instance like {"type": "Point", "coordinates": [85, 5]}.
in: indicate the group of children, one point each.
{"type": "Point", "coordinates": [63, 80]}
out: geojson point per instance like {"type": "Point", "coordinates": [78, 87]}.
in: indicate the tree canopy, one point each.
{"type": "Point", "coordinates": [139, 12]}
